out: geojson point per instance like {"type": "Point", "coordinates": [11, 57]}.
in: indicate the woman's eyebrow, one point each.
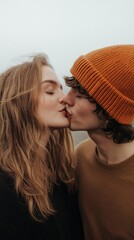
{"type": "Point", "coordinates": [52, 82]}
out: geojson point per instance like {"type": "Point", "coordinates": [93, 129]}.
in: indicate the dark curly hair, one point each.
{"type": "Point", "coordinates": [120, 133]}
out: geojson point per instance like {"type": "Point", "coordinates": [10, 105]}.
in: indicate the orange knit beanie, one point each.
{"type": "Point", "coordinates": [107, 74]}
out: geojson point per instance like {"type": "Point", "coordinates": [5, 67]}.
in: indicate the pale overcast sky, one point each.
{"type": "Point", "coordinates": [64, 29]}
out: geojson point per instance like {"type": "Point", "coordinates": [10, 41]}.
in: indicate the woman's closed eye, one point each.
{"type": "Point", "coordinates": [49, 92]}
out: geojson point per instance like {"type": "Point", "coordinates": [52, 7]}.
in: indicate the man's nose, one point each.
{"type": "Point", "coordinates": [67, 99]}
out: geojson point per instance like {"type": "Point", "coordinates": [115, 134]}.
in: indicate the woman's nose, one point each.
{"type": "Point", "coordinates": [61, 97]}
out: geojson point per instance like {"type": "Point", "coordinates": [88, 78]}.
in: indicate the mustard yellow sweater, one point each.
{"type": "Point", "coordinates": [106, 195]}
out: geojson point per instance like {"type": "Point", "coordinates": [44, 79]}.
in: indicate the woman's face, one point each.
{"type": "Point", "coordinates": [51, 109]}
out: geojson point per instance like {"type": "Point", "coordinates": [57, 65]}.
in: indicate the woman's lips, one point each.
{"type": "Point", "coordinates": [64, 111]}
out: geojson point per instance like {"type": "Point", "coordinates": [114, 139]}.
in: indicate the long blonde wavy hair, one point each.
{"type": "Point", "coordinates": [33, 165]}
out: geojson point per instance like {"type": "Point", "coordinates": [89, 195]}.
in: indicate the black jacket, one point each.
{"type": "Point", "coordinates": [17, 224]}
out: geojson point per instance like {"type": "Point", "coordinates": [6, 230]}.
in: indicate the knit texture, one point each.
{"type": "Point", "coordinates": [107, 75]}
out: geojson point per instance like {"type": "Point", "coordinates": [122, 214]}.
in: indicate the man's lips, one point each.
{"type": "Point", "coordinates": [69, 115]}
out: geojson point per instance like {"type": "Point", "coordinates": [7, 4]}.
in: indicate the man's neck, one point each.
{"type": "Point", "coordinates": [110, 152]}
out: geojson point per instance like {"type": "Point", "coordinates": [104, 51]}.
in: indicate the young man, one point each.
{"type": "Point", "coordinates": [101, 101]}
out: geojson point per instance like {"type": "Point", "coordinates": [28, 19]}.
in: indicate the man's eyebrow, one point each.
{"type": "Point", "coordinates": [52, 82]}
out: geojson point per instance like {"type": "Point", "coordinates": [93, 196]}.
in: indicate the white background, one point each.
{"type": "Point", "coordinates": [64, 29]}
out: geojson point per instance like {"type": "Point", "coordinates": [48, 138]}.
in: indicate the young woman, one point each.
{"type": "Point", "coordinates": [36, 163]}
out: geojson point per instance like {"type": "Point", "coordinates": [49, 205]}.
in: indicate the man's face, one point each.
{"type": "Point", "coordinates": [81, 113]}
